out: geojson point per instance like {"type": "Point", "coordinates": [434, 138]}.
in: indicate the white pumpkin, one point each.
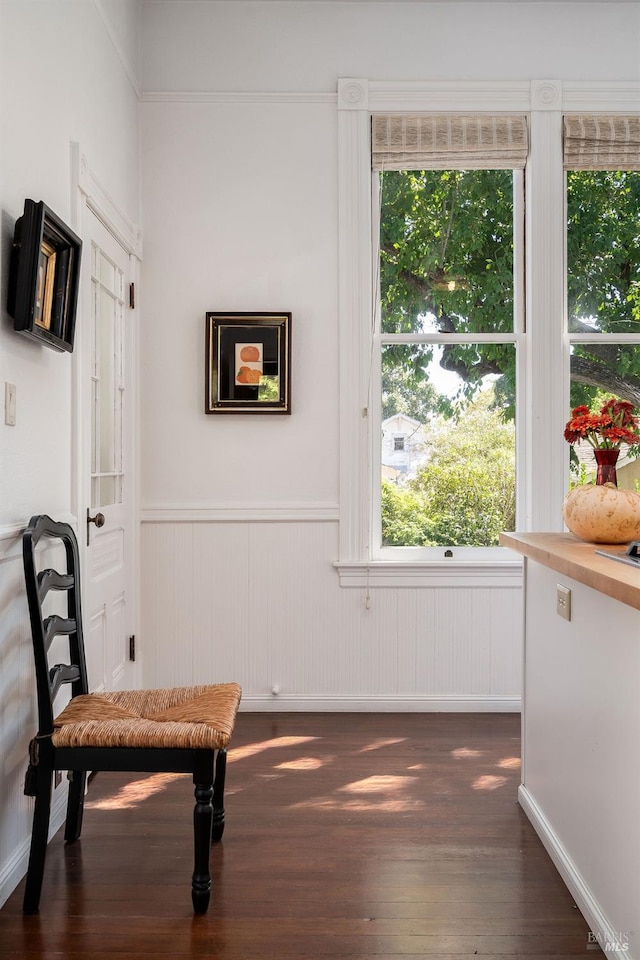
{"type": "Point", "coordinates": [602, 514]}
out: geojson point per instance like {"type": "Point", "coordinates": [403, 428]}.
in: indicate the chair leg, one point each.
{"type": "Point", "coordinates": [75, 806]}
{"type": "Point", "coordinates": [39, 837]}
{"type": "Point", "coordinates": [217, 828]}
{"type": "Point", "coordinates": [202, 818]}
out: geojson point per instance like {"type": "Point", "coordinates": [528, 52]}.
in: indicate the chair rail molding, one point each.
{"type": "Point", "coordinates": [241, 513]}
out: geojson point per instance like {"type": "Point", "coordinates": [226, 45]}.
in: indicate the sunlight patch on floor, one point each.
{"type": "Point", "coordinates": [382, 805]}
{"type": "Point", "coordinates": [466, 753]}
{"type": "Point", "coordinates": [134, 793]}
{"type": "Point", "coordinates": [489, 782]}
{"type": "Point", "coordinates": [302, 763]}
{"type": "Point", "coordinates": [510, 763]}
{"type": "Point", "coordinates": [253, 749]}
{"type": "Point", "coordinates": [379, 744]}
{"type": "Point", "coordinates": [377, 794]}
{"type": "Point", "coordinates": [381, 783]}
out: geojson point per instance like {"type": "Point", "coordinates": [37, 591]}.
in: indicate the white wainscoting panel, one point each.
{"type": "Point", "coordinates": [261, 603]}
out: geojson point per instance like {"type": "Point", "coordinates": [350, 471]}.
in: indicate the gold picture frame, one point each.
{"type": "Point", "coordinates": [248, 358]}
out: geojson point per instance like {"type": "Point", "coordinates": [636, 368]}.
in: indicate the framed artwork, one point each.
{"type": "Point", "coordinates": [248, 359]}
{"type": "Point", "coordinates": [44, 277]}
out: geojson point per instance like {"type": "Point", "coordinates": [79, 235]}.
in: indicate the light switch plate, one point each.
{"type": "Point", "coordinates": [563, 601]}
{"type": "Point", "coordinates": [10, 404]}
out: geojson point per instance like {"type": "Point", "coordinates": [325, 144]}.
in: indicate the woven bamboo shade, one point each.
{"type": "Point", "coordinates": [440, 141]}
{"type": "Point", "coordinates": [602, 143]}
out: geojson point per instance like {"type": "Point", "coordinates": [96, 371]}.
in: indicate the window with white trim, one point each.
{"type": "Point", "coordinates": [448, 194]}
{"type": "Point", "coordinates": [542, 346]}
{"type": "Point", "coordinates": [602, 163]}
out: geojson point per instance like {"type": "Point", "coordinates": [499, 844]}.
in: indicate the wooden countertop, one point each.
{"type": "Point", "coordinates": [575, 558]}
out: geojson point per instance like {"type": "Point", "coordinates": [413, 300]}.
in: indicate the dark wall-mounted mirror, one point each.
{"type": "Point", "coordinates": [44, 277]}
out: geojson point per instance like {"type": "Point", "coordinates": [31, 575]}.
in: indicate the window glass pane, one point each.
{"type": "Point", "coordinates": [603, 296]}
{"type": "Point", "coordinates": [106, 343]}
{"type": "Point", "coordinates": [603, 251]}
{"type": "Point", "coordinates": [452, 482]}
{"type": "Point", "coordinates": [446, 251]}
{"type": "Point", "coordinates": [107, 274]}
{"type": "Point", "coordinates": [597, 374]}
{"type": "Point", "coordinates": [107, 491]}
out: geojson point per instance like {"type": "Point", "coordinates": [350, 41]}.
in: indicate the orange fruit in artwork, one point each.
{"type": "Point", "coordinates": [247, 375]}
{"type": "Point", "coordinates": [250, 353]}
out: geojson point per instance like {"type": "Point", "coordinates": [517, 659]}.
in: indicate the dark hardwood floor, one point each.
{"type": "Point", "coordinates": [359, 837]}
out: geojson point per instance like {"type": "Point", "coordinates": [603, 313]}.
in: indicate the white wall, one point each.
{"type": "Point", "coordinates": [74, 89]}
{"type": "Point", "coordinates": [240, 213]}
{"type": "Point", "coordinates": [61, 80]}
{"type": "Point", "coordinates": [306, 46]}
{"type": "Point", "coordinates": [236, 211]}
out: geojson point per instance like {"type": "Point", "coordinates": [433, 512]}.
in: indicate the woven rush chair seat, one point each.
{"type": "Point", "coordinates": [196, 718]}
{"type": "Point", "coordinates": [176, 730]}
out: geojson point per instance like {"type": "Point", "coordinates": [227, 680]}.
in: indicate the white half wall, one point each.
{"type": "Point", "coordinates": [260, 603]}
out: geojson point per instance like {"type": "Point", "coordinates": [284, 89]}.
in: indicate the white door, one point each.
{"type": "Point", "coordinates": [108, 592]}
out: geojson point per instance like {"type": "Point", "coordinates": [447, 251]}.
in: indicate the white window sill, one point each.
{"type": "Point", "coordinates": [431, 573]}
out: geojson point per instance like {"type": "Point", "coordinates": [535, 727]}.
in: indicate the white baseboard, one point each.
{"type": "Point", "coordinates": [419, 704]}
{"type": "Point", "coordinates": [15, 868]}
{"type": "Point", "coordinates": [585, 901]}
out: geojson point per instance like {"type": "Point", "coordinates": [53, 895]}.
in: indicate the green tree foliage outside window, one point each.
{"type": "Point", "coordinates": [464, 495]}
{"type": "Point", "coordinates": [446, 266]}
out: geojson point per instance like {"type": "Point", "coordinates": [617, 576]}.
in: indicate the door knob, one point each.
{"type": "Point", "coordinates": [99, 521]}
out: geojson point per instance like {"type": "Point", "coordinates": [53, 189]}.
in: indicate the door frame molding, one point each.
{"type": "Point", "coordinates": [88, 193]}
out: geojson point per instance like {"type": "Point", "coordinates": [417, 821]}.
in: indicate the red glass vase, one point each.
{"type": "Point", "coordinates": [606, 460]}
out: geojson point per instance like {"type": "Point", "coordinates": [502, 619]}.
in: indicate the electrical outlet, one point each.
{"type": "Point", "coordinates": [563, 601]}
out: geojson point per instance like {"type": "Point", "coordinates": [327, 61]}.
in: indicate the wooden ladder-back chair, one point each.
{"type": "Point", "coordinates": [179, 730]}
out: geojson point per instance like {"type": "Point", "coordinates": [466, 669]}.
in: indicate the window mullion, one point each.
{"type": "Point", "coordinates": [547, 377]}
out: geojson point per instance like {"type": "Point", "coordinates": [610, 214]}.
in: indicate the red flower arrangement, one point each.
{"type": "Point", "coordinates": [607, 430]}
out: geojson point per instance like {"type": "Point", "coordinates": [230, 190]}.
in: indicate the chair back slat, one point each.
{"type": "Point", "coordinates": [52, 580]}
{"type": "Point", "coordinates": [56, 626]}
{"type": "Point", "coordinates": [62, 673]}
{"type": "Point", "coordinates": [45, 629]}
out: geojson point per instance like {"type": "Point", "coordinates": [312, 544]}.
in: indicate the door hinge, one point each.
{"type": "Point", "coordinates": [132, 295]}
{"type": "Point", "coordinates": [132, 647]}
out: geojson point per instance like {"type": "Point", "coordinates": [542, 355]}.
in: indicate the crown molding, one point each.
{"type": "Point", "coordinates": [232, 96]}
